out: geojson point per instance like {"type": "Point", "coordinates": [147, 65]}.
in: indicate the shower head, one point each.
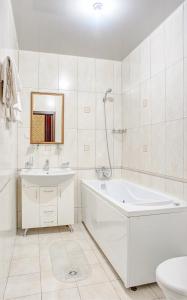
{"type": "Point", "coordinates": [106, 93]}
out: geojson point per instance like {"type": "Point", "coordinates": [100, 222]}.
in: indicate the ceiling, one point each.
{"type": "Point", "coordinates": [73, 27]}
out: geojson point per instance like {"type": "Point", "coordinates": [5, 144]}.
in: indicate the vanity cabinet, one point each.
{"type": "Point", "coordinates": [47, 206]}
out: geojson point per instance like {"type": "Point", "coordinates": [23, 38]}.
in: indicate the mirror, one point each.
{"type": "Point", "coordinates": [47, 118]}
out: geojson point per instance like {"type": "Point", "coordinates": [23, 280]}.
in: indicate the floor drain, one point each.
{"type": "Point", "coordinates": [72, 273]}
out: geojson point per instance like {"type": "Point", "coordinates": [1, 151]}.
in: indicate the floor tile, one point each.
{"type": "Point", "coordinates": [67, 294]}
{"type": "Point", "coordinates": [26, 240]}
{"type": "Point", "coordinates": [24, 266]}
{"type": "Point", "coordinates": [91, 257]}
{"type": "Point", "coordinates": [32, 297]}
{"type": "Point", "coordinates": [97, 275]}
{"type": "Point", "coordinates": [50, 283]}
{"type": "Point", "coordinates": [142, 293]}
{"type": "Point", "coordinates": [24, 285]}
{"type": "Point", "coordinates": [157, 291]}
{"type": "Point", "coordinates": [103, 291]}
{"type": "Point", "coordinates": [45, 263]}
{"type": "Point", "coordinates": [25, 251]}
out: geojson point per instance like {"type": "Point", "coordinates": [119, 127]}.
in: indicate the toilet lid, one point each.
{"type": "Point", "coordinates": [173, 274]}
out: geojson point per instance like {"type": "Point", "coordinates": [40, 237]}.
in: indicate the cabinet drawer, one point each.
{"type": "Point", "coordinates": [48, 216]}
{"type": "Point", "coordinates": [48, 196]}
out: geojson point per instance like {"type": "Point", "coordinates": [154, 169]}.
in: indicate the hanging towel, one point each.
{"type": "Point", "coordinates": [11, 90]}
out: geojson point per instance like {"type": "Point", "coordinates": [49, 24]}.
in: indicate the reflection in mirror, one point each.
{"type": "Point", "coordinates": [47, 118]}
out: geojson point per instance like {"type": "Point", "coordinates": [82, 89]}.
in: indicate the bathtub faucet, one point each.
{"type": "Point", "coordinates": [103, 173]}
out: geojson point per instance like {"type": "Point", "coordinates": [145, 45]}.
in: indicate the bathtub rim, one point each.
{"type": "Point", "coordinates": [137, 210]}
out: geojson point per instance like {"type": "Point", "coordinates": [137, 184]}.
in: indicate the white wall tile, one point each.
{"type": "Point", "coordinates": [104, 75]}
{"type": "Point", "coordinates": [174, 188]}
{"type": "Point", "coordinates": [185, 28]}
{"type": "Point", "coordinates": [86, 148]}
{"type": "Point", "coordinates": [133, 120]}
{"type": "Point", "coordinates": [101, 148]}
{"type": "Point", "coordinates": [135, 65]}
{"type": "Point", "coordinates": [118, 118]}
{"type": "Point", "coordinates": [118, 139]}
{"type": "Point", "coordinates": [86, 74]}
{"type": "Point", "coordinates": [117, 77]}
{"type": "Point", "coordinates": [67, 72]}
{"type": "Point", "coordinates": [26, 107]}
{"type": "Point", "coordinates": [185, 148]}
{"type": "Point", "coordinates": [28, 68]}
{"type": "Point", "coordinates": [70, 110]}
{"type": "Point", "coordinates": [145, 148]}
{"type": "Point", "coordinates": [158, 184]}
{"type": "Point", "coordinates": [86, 110]}
{"type": "Point", "coordinates": [185, 87]}
{"type": "Point", "coordinates": [133, 148]}
{"type": "Point", "coordinates": [185, 191]}
{"type": "Point", "coordinates": [100, 121]}
{"type": "Point", "coordinates": [145, 59]}
{"type": "Point", "coordinates": [126, 74]}
{"type": "Point", "coordinates": [48, 152]}
{"type": "Point", "coordinates": [145, 102]}
{"type": "Point", "coordinates": [174, 37]}
{"type": "Point", "coordinates": [158, 98]}
{"type": "Point", "coordinates": [157, 41]}
{"type": "Point", "coordinates": [174, 148]}
{"type": "Point", "coordinates": [48, 71]}
{"type": "Point", "coordinates": [26, 151]}
{"type": "Point", "coordinates": [69, 149]}
{"type": "Point", "coordinates": [174, 92]}
{"type": "Point", "coordinates": [158, 148]}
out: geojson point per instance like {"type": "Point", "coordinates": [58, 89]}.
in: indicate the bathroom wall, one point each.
{"type": "Point", "coordinates": [83, 82]}
{"type": "Point", "coordinates": [8, 153]}
{"type": "Point", "coordinates": [154, 85]}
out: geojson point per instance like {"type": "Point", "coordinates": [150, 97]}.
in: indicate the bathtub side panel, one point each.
{"type": "Point", "coordinates": [108, 227]}
{"type": "Point", "coordinates": [154, 239]}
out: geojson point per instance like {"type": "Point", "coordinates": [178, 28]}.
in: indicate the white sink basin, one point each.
{"type": "Point", "coordinates": [46, 178]}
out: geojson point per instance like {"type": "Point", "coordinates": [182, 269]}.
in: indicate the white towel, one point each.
{"type": "Point", "coordinates": [11, 90]}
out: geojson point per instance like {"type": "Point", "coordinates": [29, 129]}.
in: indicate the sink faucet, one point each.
{"type": "Point", "coordinates": [46, 166]}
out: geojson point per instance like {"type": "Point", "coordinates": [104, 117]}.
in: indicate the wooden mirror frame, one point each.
{"type": "Point", "coordinates": [31, 119]}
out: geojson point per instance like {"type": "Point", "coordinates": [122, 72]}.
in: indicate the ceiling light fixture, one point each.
{"type": "Point", "coordinates": [98, 6]}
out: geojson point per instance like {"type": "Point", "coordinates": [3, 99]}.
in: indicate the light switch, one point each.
{"type": "Point", "coordinates": [86, 148]}
{"type": "Point", "coordinates": [145, 148]}
{"type": "Point", "coordinates": [145, 103]}
{"type": "Point", "coordinates": [87, 109]}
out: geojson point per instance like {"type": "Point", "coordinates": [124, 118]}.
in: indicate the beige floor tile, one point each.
{"type": "Point", "coordinates": [110, 272]}
{"type": "Point", "coordinates": [24, 266]}
{"type": "Point", "coordinates": [157, 291]}
{"type": "Point", "coordinates": [76, 235]}
{"type": "Point", "coordinates": [67, 294]}
{"type": "Point", "coordinates": [84, 244]}
{"type": "Point", "coordinates": [142, 293]}
{"type": "Point", "coordinates": [97, 275]}
{"type": "Point", "coordinates": [33, 297]}
{"type": "Point", "coordinates": [91, 257]}
{"type": "Point", "coordinates": [50, 283]}
{"type": "Point", "coordinates": [103, 291]}
{"type": "Point", "coordinates": [24, 285]}
{"type": "Point", "coordinates": [26, 251]}
{"type": "Point", "coordinates": [45, 263]}
{"type": "Point", "coordinates": [26, 240]}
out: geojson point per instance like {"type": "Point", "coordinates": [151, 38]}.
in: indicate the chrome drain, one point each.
{"type": "Point", "coordinates": [72, 273]}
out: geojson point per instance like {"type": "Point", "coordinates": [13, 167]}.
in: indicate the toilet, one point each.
{"type": "Point", "coordinates": [171, 276]}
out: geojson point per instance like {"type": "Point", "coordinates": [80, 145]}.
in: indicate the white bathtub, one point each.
{"type": "Point", "coordinates": [137, 228]}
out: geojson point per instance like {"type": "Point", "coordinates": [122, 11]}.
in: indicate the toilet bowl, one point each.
{"type": "Point", "coordinates": [171, 276]}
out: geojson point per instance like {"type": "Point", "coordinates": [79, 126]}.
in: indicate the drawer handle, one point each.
{"type": "Point", "coordinates": [49, 211]}
{"type": "Point", "coordinates": [50, 222]}
{"type": "Point", "coordinates": [49, 191]}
